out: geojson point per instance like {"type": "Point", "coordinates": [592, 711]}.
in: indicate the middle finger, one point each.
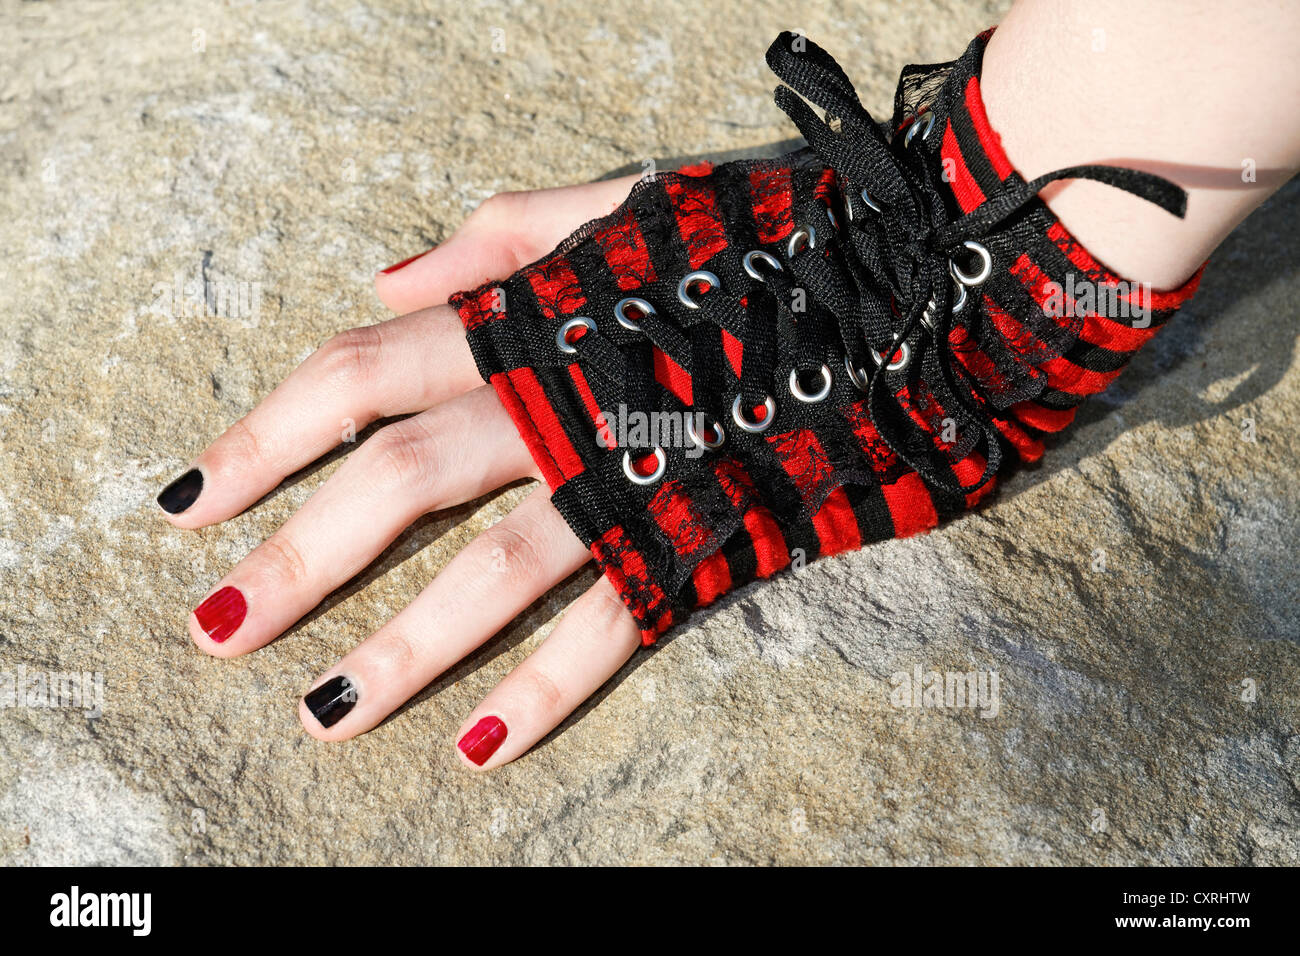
{"type": "Point", "coordinates": [449, 454]}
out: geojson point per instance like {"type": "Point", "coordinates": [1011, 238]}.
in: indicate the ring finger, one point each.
{"type": "Point", "coordinates": [494, 578]}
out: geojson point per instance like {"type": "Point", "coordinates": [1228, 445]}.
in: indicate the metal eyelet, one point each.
{"type": "Point", "coordinates": [902, 350]}
{"type": "Point", "coordinates": [804, 237]}
{"type": "Point", "coordinates": [928, 119]}
{"type": "Point", "coordinates": [871, 203]}
{"type": "Point", "coordinates": [961, 299]}
{"type": "Point", "coordinates": [641, 305]}
{"type": "Point", "coordinates": [634, 476]}
{"type": "Point", "coordinates": [797, 389]}
{"type": "Point", "coordinates": [861, 381]}
{"type": "Point", "coordinates": [738, 415]}
{"type": "Point", "coordinates": [562, 336]}
{"type": "Point", "coordinates": [830, 217]}
{"type": "Point", "coordinates": [699, 276]}
{"type": "Point", "coordinates": [768, 260]}
{"type": "Point", "coordinates": [720, 434]}
{"type": "Point", "coordinates": [986, 265]}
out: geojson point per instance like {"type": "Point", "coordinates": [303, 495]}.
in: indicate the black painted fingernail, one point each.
{"type": "Point", "coordinates": [182, 492]}
{"type": "Point", "coordinates": [332, 700]}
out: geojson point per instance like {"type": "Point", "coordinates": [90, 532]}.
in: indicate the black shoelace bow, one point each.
{"type": "Point", "coordinates": [899, 260]}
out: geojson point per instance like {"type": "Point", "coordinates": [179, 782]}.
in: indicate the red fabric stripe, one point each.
{"type": "Point", "coordinates": [990, 141]}
{"type": "Point", "coordinates": [482, 305]}
{"type": "Point", "coordinates": [677, 517]}
{"type": "Point", "coordinates": [556, 287]}
{"type": "Point", "coordinates": [1026, 446]}
{"type": "Point", "coordinates": [825, 187]}
{"type": "Point", "coordinates": [584, 391]}
{"type": "Point", "coordinates": [773, 202]}
{"type": "Point", "coordinates": [929, 414]}
{"type": "Point", "coordinates": [1072, 379]}
{"type": "Point", "coordinates": [698, 221]}
{"type": "Point", "coordinates": [734, 349]}
{"type": "Point", "coordinates": [712, 578]}
{"type": "Point", "coordinates": [1043, 418]}
{"type": "Point", "coordinates": [1062, 374]}
{"type": "Point", "coordinates": [804, 459]}
{"type": "Point", "coordinates": [702, 168]}
{"type": "Point", "coordinates": [770, 551]}
{"type": "Point", "coordinates": [968, 471]}
{"type": "Point", "coordinates": [836, 524]}
{"type": "Point", "coordinates": [910, 505]}
{"type": "Point", "coordinates": [626, 253]}
{"type": "Point", "coordinates": [672, 376]}
{"type": "Point", "coordinates": [881, 456]}
{"type": "Point", "coordinates": [968, 193]}
{"type": "Point", "coordinates": [533, 415]}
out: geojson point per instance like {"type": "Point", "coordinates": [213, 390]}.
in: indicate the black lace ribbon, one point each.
{"type": "Point", "coordinates": [889, 279]}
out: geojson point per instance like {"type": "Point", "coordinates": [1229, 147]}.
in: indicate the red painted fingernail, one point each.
{"type": "Point", "coordinates": [404, 263]}
{"type": "Point", "coordinates": [222, 613]}
{"type": "Point", "coordinates": [483, 740]}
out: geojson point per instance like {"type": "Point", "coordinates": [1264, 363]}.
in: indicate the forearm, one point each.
{"type": "Point", "coordinates": [1149, 85]}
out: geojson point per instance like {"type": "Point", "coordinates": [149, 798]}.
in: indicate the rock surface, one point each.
{"type": "Point", "coordinates": [1136, 596]}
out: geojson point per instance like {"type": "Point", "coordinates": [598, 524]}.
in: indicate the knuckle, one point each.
{"type": "Point", "coordinates": [247, 446]}
{"type": "Point", "coordinates": [285, 560]}
{"type": "Point", "coordinates": [402, 456]}
{"type": "Point", "coordinates": [604, 612]}
{"type": "Point", "coordinates": [398, 652]}
{"type": "Point", "coordinates": [544, 690]}
{"type": "Point", "coordinates": [351, 356]}
{"type": "Point", "coordinates": [497, 208]}
{"type": "Point", "coordinates": [511, 553]}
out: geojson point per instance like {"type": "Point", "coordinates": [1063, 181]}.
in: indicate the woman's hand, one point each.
{"type": "Point", "coordinates": [458, 444]}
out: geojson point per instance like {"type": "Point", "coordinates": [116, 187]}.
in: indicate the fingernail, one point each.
{"type": "Point", "coordinates": [403, 264]}
{"type": "Point", "coordinates": [331, 701]}
{"type": "Point", "coordinates": [182, 492]}
{"type": "Point", "coordinates": [222, 613]}
{"type": "Point", "coordinates": [483, 740]}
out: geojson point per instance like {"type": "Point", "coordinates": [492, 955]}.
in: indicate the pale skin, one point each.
{"type": "Point", "coordinates": [460, 444]}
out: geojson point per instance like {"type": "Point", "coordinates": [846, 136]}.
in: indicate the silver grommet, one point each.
{"type": "Point", "coordinates": [738, 414]}
{"type": "Point", "coordinates": [986, 265]}
{"type": "Point", "coordinates": [871, 203]}
{"type": "Point", "coordinates": [705, 443]}
{"type": "Point", "coordinates": [902, 350]}
{"type": "Point", "coordinates": [699, 276]}
{"type": "Point", "coordinates": [961, 299]}
{"type": "Point", "coordinates": [634, 476]}
{"type": "Point", "coordinates": [927, 118]}
{"type": "Point", "coordinates": [861, 381]}
{"type": "Point", "coordinates": [641, 305]}
{"type": "Point", "coordinates": [768, 260]}
{"type": "Point", "coordinates": [804, 237]}
{"type": "Point", "coordinates": [830, 217]}
{"type": "Point", "coordinates": [797, 390]}
{"type": "Point", "coordinates": [562, 336]}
